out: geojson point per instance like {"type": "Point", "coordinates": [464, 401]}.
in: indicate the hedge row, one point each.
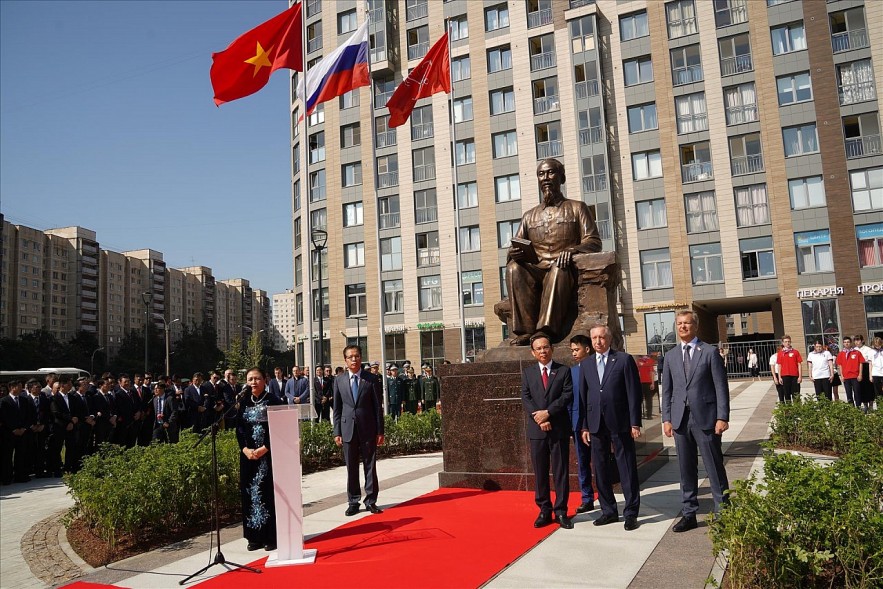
{"type": "Point", "coordinates": [824, 426]}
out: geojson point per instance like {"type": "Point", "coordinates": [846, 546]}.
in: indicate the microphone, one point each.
{"type": "Point", "coordinates": [245, 390]}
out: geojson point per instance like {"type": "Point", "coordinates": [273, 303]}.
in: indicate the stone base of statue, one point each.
{"type": "Point", "coordinates": [598, 276]}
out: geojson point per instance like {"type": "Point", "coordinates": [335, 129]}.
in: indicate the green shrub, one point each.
{"type": "Point", "coordinates": [823, 426]}
{"type": "Point", "coordinates": [806, 524]}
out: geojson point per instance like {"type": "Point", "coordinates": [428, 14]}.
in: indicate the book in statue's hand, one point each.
{"type": "Point", "coordinates": [525, 246]}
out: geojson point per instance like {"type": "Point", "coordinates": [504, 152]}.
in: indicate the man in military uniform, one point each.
{"type": "Point", "coordinates": [430, 388]}
{"type": "Point", "coordinates": [395, 388]}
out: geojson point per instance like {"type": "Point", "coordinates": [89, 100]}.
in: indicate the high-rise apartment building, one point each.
{"type": "Point", "coordinates": [731, 151]}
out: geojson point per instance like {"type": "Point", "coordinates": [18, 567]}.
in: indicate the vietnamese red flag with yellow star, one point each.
{"type": "Point", "coordinates": [245, 66]}
{"type": "Point", "coordinates": [432, 74]}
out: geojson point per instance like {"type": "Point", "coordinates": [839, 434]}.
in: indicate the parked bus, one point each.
{"type": "Point", "coordinates": [40, 374]}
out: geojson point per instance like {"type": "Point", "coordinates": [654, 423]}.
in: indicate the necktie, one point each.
{"type": "Point", "coordinates": [16, 402]}
{"type": "Point", "coordinates": [687, 353]}
{"type": "Point", "coordinates": [545, 378]}
{"type": "Point", "coordinates": [600, 367]}
{"type": "Point", "coordinates": [355, 387]}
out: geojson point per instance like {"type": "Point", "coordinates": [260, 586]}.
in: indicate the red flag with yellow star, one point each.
{"type": "Point", "coordinates": [245, 66]}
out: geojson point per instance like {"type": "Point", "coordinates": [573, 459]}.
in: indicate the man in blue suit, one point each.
{"type": "Point", "coordinates": [358, 427]}
{"type": "Point", "coordinates": [580, 347]}
{"type": "Point", "coordinates": [696, 410]}
{"type": "Point", "coordinates": [611, 412]}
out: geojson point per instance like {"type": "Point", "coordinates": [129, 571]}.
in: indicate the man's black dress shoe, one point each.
{"type": "Point", "coordinates": [631, 523]}
{"type": "Point", "coordinates": [585, 508]}
{"type": "Point", "coordinates": [565, 522]}
{"type": "Point", "coordinates": [252, 546]}
{"type": "Point", "coordinates": [352, 510]}
{"type": "Point", "coordinates": [544, 519]}
{"type": "Point", "coordinates": [685, 523]}
{"type": "Point", "coordinates": [606, 519]}
{"type": "Point", "coordinates": [373, 508]}
{"type": "Point", "coordinates": [270, 547]}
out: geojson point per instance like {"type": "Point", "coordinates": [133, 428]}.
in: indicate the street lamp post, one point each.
{"type": "Point", "coordinates": [319, 239]}
{"type": "Point", "coordinates": [166, 328]}
{"type": "Point", "coordinates": [145, 297]}
{"type": "Point", "coordinates": [92, 365]}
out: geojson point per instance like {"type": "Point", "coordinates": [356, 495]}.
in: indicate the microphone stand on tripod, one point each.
{"type": "Point", "coordinates": [213, 430]}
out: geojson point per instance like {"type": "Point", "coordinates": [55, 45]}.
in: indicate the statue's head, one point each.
{"type": "Point", "coordinates": [550, 177]}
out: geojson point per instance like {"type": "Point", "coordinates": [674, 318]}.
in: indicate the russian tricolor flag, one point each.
{"type": "Point", "coordinates": [342, 70]}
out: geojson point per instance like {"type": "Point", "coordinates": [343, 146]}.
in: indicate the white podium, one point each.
{"type": "Point", "coordinates": [284, 423]}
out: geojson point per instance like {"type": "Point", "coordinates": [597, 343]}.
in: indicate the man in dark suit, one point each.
{"type": "Point", "coordinates": [322, 397]}
{"type": "Point", "coordinates": [277, 383]}
{"type": "Point", "coordinates": [128, 412]}
{"type": "Point", "coordinates": [230, 389]}
{"type": "Point", "coordinates": [16, 418]}
{"type": "Point", "coordinates": [611, 412]}
{"type": "Point", "coordinates": [41, 425]}
{"type": "Point", "coordinates": [101, 406]}
{"type": "Point", "coordinates": [696, 410]}
{"type": "Point", "coordinates": [546, 394]}
{"type": "Point", "coordinates": [358, 427]}
{"type": "Point", "coordinates": [580, 347]}
{"type": "Point", "coordinates": [65, 410]}
{"type": "Point", "coordinates": [196, 398]}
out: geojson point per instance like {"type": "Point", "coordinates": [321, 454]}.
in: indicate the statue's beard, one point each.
{"type": "Point", "coordinates": [550, 195]}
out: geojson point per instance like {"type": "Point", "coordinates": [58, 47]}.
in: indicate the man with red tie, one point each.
{"type": "Point", "coordinates": [547, 394]}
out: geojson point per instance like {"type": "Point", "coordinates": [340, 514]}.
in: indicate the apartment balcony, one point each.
{"type": "Point", "coordinates": [692, 123]}
{"type": "Point", "coordinates": [590, 135]}
{"type": "Point", "coordinates": [90, 283]}
{"type": "Point", "coordinates": [863, 146]}
{"type": "Point", "coordinates": [89, 317]}
{"type": "Point", "coordinates": [89, 305]}
{"type": "Point", "coordinates": [425, 214]}
{"type": "Point", "coordinates": [417, 11]}
{"type": "Point", "coordinates": [696, 172]}
{"type": "Point", "coordinates": [376, 15]}
{"type": "Point", "coordinates": [587, 88]}
{"type": "Point", "coordinates": [428, 257]}
{"type": "Point", "coordinates": [747, 164]}
{"type": "Point", "coordinates": [604, 231]}
{"type": "Point", "coordinates": [542, 61]}
{"type": "Point", "coordinates": [378, 54]}
{"type": "Point", "coordinates": [424, 172]}
{"type": "Point", "coordinates": [90, 249]}
{"type": "Point", "coordinates": [539, 18]}
{"type": "Point", "coordinates": [89, 271]}
{"type": "Point", "coordinates": [686, 75]}
{"type": "Point", "coordinates": [419, 50]}
{"type": "Point", "coordinates": [381, 98]}
{"type": "Point", "coordinates": [857, 92]}
{"type": "Point", "coordinates": [736, 14]}
{"type": "Point", "coordinates": [390, 220]}
{"type": "Point", "coordinates": [731, 66]}
{"type": "Point", "coordinates": [743, 113]}
{"type": "Point", "coordinates": [595, 183]}
{"type": "Point", "coordinates": [387, 179]}
{"type": "Point", "coordinates": [89, 294]}
{"type": "Point", "coordinates": [314, 44]}
{"type": "Point", "coordinates": [546, 104]}
{"type": "Point", "coordinates": [314, 7]}
{"type": "Point", "coordinates": [578, 3]}
{"type": "Point", "coordinates": [422, 131]}
{"type": "Point", "coordinates": [386, 138]}
{"type": "Point", "coordinates": [549, 149]}
{"type": "Point", "coordinates": [848, 40]}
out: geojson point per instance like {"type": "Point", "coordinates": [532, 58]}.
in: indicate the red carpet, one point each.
{"type": "Point", "coordinates": [448, 538]}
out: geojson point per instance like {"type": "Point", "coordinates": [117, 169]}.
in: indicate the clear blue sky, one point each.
{"type": "Point", "coordinates": [107, 122]}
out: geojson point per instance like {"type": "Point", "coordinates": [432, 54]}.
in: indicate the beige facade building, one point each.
{"type": "Point", "coordinates": [731, 151]}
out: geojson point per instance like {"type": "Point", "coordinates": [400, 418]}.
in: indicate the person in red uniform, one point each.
{"type": "Point", "coordinates": [790, 371]}
{"type": "Point", "coordinates": [647, 374]}
{"type": "Point", "coordinates": [850, 362]}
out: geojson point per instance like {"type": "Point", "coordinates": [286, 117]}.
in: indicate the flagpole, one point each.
{"type": "Point", "coordinates": [382, 328]}
{"type": "Point", "coordinates": [456, 203]}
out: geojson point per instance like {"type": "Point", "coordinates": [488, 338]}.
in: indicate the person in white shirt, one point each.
{"type": "Point", "coordinates": [865, 397]}
{"type": "Point", "coordinates": [821, 364]}
{"type": "Point", "coordinates": [774, 371]}
{"type": "Point", "coordinates": [753, 366]}
{"type": "Point", "coordinates": [877, 370]}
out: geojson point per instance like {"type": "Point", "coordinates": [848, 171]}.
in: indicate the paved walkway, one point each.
{"type": "Point", "coordinates": [33, 552]}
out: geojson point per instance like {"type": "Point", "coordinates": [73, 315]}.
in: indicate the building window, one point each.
{"type": "Point", "coordinates": [499, 59]}
{"type": "Point", "coordinates": [467, 195]}
{"type": "Point", "coordinates": [387, 171]}
{"type": "Point", "coordinates": [788, 38]}
{"type": "Point", "coordinates": [548, 142]}
{"type": "Point", "coordinates": [473, 288]}
{"type": "Point", "coordinates": [356, 300]}
{"type": "Point", "coordinates": [296, 191]}
{"type": "Point", "coordinates": [393, 296]}
{"type": "Point", "coordinates": [638, 70]}
{"type": "Point", "coordinates": [350, 135]}
{"type": "Point", "coordinates": [745, 154]}
{"type": "Point", "coordinates": [692, 114]}
{"type": "Point", "coordinates": [794, 88]}
{"type": "Point", "coordinates": [582, 34]}
{"type": "Point", "coordinates": [633, 26]}
{"type": "Point", "coordinates": [353, 215]}
{"type": "Point", "coordinates": [317, 147]}
{"type": "Point", "coordinates": [390, 254]}
{"type": "Point", "coordinates": [752, 206]}
{"type": "Point", "coordinates": [701, 210]}
{"type": "Point", "coordinates": [425, 206]}
{"type": "Point", "coordinates": [681, 18]}
{"type": "Point", "coordinates": [430, 294]}
{"type": "Point", "coordinates": [642, 118]}
{"type": "Point", "coordinates": [297, 233]}
{"type": "Point", "coordinates": [461, 69]}
{"type": "Point", "coordinates": [389, 211]}
{"type": "Point", "coordinates": [421, 123]}
{"type": "Point", "coordinates": [814, 251]}
{"type": "Point", "coordinates": [656, 269]}
{"type": "Point", "coordinates": [800, 140]}
{"type": "Point", "coordinates": [470, 239]}
{"type": "Point", "coordinates": [459, 28]}
{"type": "Point", "coordinates": [758, 258]}
{"type": "Point", "coordinates": [496, 17]}
{"type": "Point", "coordinates": [319, 219]}
{"type": "Point", "coordinates": [432, 347]}
{"type": "Point", "coordinates": [351, 174]}
{"type": "Point", "coordinates": [706, 263]}
{"type": "Point", "coordinates": [315, 260]}
{"type": "Point", "coordinates": [870, 244]}
{"type": "Point", "coordinates": [740, 103]}
{"type": "Point", "coordinates": [507, 188]}
{"type": "Point", "coordinates": [475, 342]}
{"type": "Point", "coordinates": [502, 101]}
{"type": "Point", "coordinates": [346, 22]}
{"type": "Point", "coordinates": [505, 231]}
{"type": "Point", "coordinates": [317, 117]}
{"type": "Point", "coordinates": [545, 96]}
{"type": "Point", "coordinates": [735, 55]}
{"type": "Point", "coordinates": [298, 271]}
{"type": "Point", "coordinates": [424, 164]}
{"type": "Point", "coordinates": [730, 12]}
{"type": "Point", "coordinates": [326, 305]}
{"type": "Point", "coordinates": [660, 332]}
{"type": "Point", "coordinates": [646, 165]}
{"type": "Point", "coordinates": [806, 193]}
{"type": "Point", "coordinates": [314, 36]}
{"type": "Point", "coordinates": [651, 213]}
{"type": "Point", "coordinates": [349, 99]}
{"type": "Point", "coordinates": [299, 308]}
{"type": "Point", "coordinates": [465, 152]}
{"type": "Point", "coordinates": [874, 313]}
{"type": "Point", "coordinates": [383, 89]}
{"type": "Point", "coordinates": [505, 144]}
{"type": "Point", "coordinates": [463, 109]}
{"type": "Point", "coordinates": [820, 323]}
{"type": "Point", "coordinates": [354, 255]}
{"type": "Point", "coordinates": [418, 42]}
{"type": "Point", "coordinates": [686, 65]}
{"type": "Point", "coordinates": [428, 252]}
{"type": "Point", "coordinates": [867, 189]}
{"type": "Point", "coordinates": [855, 82]}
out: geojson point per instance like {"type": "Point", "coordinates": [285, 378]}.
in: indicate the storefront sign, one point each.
{"type": "Point", "coordinates": [819, 293]}
{"type": "Point", "coordinates": [872, 287]}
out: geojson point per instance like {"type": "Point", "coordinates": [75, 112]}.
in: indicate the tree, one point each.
{"type": "Point", "coordinates": [39, 349]}
{"type": "Point", "coordinates": [254, 354]}
{"type": "Point", "coordinates": [234, 357]}
{"type": "Point", "coordinates": [79, 350]}
{"type": "Point", "coordinates": [130, 357]}
{"type": "Point", "coordinates": [197, 350]}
